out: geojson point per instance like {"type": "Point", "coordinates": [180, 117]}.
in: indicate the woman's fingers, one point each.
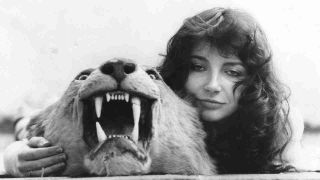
{"type": "Point", "coordinates": [38, 142]}
{"type": "Point", "coordinates": [39, 153]}
{"type": "Point", "coordinates": [22, 160]}
{"type": "Point", "coordinates": [47, 171]}
{"type": "Point", "coordinates": [27, 166]}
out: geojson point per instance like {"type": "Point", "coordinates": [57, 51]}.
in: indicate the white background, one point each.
{"type": "Point", "coordinates": [44, 44]}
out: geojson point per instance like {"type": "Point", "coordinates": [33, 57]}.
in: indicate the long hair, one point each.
{"type": "Point", "coordinates": [256, 134]}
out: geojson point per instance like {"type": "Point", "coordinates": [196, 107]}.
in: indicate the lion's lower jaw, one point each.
{"type": "Point", "coordinates": [117, 166]}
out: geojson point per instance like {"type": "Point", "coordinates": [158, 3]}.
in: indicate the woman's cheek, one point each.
{"type": "Point", "coordinates": [192, 84]}
{"type": "Point", "coordinates": [237, 93]}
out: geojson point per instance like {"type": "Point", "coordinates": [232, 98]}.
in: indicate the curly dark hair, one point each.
{"type": "Point", "coordinates": [253, 138]}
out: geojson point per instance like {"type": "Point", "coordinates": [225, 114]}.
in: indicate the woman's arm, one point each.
{"type": "Point", "coordinates": [33, 157]}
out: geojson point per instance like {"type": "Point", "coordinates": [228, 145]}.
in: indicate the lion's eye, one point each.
{"type": "Point", "coordinates": [84, 74]}
{"type": "Point", "coordinates": [83, 77]}
{"type": "Point", "coordinates": [152, 76]}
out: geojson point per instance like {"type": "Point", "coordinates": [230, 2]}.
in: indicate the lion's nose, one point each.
{"type": "Point", "coordinates": [118, 69]}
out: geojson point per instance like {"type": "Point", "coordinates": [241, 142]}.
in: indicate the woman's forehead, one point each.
{"type": "Point", "coordinates": [207, 51]}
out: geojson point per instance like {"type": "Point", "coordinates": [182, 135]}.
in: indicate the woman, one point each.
{"type": "Point", "coordinates": [220, 61]}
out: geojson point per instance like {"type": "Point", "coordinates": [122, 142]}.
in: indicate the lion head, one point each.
{"type": "Point", "coordinates": [121, 119]}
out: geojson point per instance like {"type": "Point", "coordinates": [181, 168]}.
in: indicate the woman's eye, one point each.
{"type": "Point", "coordinates": [197, 67]}
{"type": "Point", "coordinates": [83, 77]}
{"type": "Point", "coordinates": [233, 73]}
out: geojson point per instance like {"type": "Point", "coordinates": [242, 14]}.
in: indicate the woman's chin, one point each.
{"type": "Point", "coordinates": [211, 116]}
{"type": "Point", "coordinates": [219, 114]}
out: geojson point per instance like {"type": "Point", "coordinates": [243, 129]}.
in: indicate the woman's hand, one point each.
{"type": "Point", "coordinates": [35, 157]}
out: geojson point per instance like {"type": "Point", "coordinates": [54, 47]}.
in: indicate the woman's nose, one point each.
{"type": "Point", "coordinates": [213, 85]}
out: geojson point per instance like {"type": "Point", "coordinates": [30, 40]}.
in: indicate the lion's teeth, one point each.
{"type": "Point", "coordinates": [126, 97]}
{"type": "Point", "coordinates": [123, 96]}
{"type": "Point", "coordinates": [98, 105]}
{"type": "Point", "coordinates": [136, 109]}
{"type": "Point", "coordinates": [100, 133]}
{"type": "Point", "coordinates": [110, 136]}
{"type": "Point", "coordinates": [108, 97]}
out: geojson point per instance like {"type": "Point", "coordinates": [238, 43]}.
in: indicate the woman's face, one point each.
{"type": "Point", "coordinates": [211, 81]}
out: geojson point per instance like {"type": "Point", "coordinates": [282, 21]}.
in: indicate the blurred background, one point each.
{"type": "Point", "coordinates": [45, 43]}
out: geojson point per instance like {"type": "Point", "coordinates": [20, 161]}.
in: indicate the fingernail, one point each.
{"type": "Point", "coordinates": [45, 144]}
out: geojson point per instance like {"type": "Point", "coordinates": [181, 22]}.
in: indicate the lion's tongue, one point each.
{"type": "Point", "coordinates": [136, 109]}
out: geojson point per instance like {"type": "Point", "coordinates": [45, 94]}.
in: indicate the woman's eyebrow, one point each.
{"type": "Point", "coordinates": [233, 63]}
{"type": "Point", "coordinates": [199, 57]}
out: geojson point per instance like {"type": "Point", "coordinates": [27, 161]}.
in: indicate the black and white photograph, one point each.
{"type": "Point", "coordinates": [159, 89]}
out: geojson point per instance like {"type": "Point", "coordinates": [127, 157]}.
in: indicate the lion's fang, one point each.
{"type": "Point", "coordinates": [100, 133]}
{"type": "Point", "coordinates": [98, 105]}
{"type": "Point", "coordinates": [136, 109]}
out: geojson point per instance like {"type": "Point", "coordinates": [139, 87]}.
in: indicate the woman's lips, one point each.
{"type": "Point", "coordinates": [210, 104]}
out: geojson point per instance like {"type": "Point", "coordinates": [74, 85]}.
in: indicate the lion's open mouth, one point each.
{"type": "Point", "coordinates": [117, 114]}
